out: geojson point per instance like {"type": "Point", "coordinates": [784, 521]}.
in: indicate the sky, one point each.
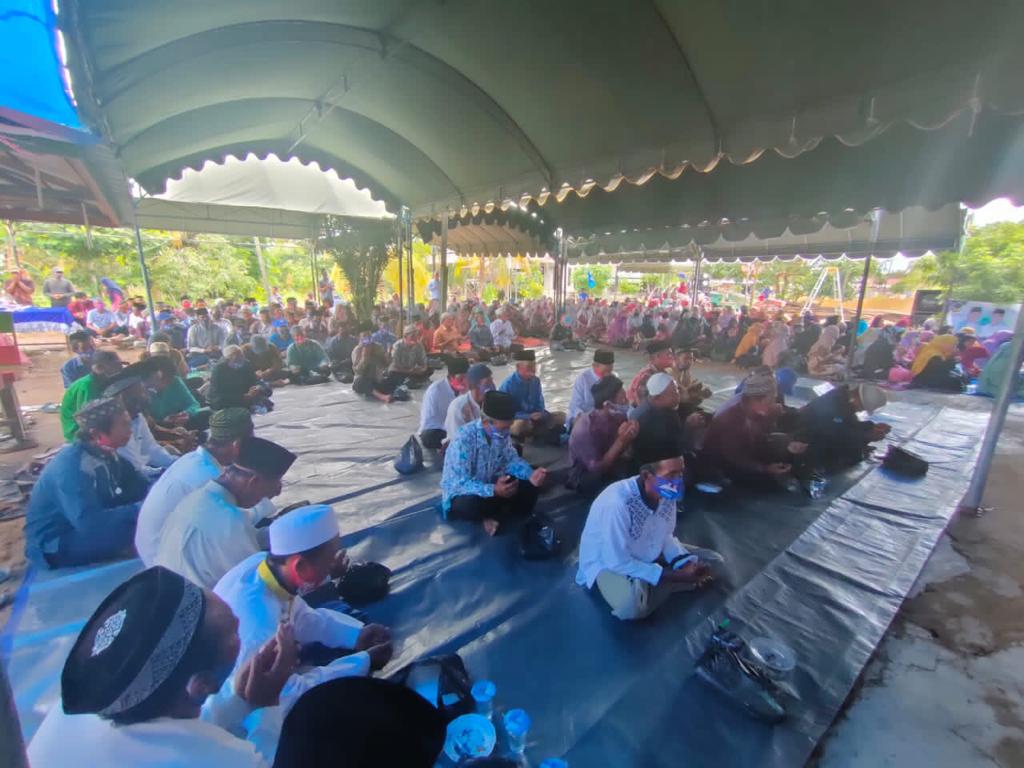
{"type": "Point", "coordinates": [997, 210]}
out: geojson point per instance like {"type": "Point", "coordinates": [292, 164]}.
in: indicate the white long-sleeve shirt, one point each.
{"type": "Point", "coordinates": [582, 400]}
{"type": "Point", "coordinates": [436, 400]}
{"type": "Point", "coordinates": [260, 608]}
{"type": "Point", "coordinates": [461, 412]}
{"type": "Point", "coordinates": [64, 740]}
{"type": "Point", "coordinates": [625, 536]}
{"type": "Point", "coordinates": [142, 451]}
{"type": "Point", "coordinates": [206, 536]}
{"type": "Point", "coordinates": [503, 333]}
{"type": "Point", "coordinates": [192, 471]}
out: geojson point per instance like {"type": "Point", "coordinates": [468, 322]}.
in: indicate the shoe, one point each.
{"type": "Point", "coordinates": [401, 394]}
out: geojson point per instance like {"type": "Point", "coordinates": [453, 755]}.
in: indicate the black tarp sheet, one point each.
{"type": "Point", "coordinates": [826, 576]}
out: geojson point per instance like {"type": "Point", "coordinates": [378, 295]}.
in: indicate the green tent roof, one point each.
{"type": "Point", "coordinates": [445, 105]}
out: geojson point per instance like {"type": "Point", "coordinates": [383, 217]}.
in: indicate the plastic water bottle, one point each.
{"type": "Point", "coordinates": [517, 725]}
{"type": "Point", "coordinates": [817, 486]}
{"type": "Point", "coordinates": [483, 694]}
{"type": "Point", "coordinates": [972, 388]}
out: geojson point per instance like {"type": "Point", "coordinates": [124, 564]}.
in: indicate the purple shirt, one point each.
{"type": "Point", "coordinates": [592, 435]}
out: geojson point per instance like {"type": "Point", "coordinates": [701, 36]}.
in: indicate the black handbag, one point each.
{"type": "Point", "coordinates": [443, 681]}
{"type": "Point", "coordinates": [905, 463]}
{"type": "Point", "coordinates": [410, 459]}
{"type": "Point", "coordinates": [538, 538]}
{"type": "Point", "coordinates": [364, 583]}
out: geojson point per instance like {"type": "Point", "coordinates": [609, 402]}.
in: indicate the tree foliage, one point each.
{"type": "Point", "coordinates": [362, 252]}
{"type": "Point", "coordinates": [990, 266]}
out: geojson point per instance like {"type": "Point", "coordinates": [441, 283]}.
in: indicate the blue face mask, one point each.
{"type": "Point", "coordinates": [620, 408]}
{"type": "Point", "coordinates": [498, 435]}
{"type": "Point", "coordinates": [670, 490]}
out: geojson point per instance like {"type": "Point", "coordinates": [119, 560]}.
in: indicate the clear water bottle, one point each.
{"type": "Point", "coordinates": [483, 695]}
{"type": "Point", "coordinates": [817, 486]}
{"type": "Point", "coordinates": [517, 725]}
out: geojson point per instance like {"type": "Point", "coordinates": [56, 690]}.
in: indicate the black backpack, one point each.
{"type": "Point", "coordinates": [538, 538]}
{"type": "Point", "coordinates": [364, 583]}
{"type": "Point", "coordinates": [410, 458]}
{"type": "Point", "coordinates": [905, 463]}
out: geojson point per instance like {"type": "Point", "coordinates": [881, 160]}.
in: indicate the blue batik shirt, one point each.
{"type": "Point", "coordinates": [474, 461]}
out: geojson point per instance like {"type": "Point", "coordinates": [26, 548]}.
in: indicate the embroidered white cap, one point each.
{"type": "Point", "coordinates": [303, 529]}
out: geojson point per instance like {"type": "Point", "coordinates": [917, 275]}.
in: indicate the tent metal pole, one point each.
{"type": "Point", "coordinates": [401, 277]}
{"type": "Point", "coordinates": [145, 275]}
{"type": "Point", "coordinates": [312, 266]}
{"type": "Point", "coordinates": [263, 267]}
{"type": "Point", "coordinates": [12, 748]}
{"type": "Point", "coordinates": [1007, 390]}
{"type": "Point", "coordinates": [856, 319]}
{"type": "Point", "coordinates": [444, 261]}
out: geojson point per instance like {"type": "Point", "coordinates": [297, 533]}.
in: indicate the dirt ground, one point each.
{"type": "Point", "coordinates": [40, 385]}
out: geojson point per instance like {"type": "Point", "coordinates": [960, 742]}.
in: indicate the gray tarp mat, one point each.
{"type": "Point", "coordinates": [827, 576]}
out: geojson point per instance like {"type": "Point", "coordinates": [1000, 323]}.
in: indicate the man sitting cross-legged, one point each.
{"type": "Point", "coordinates": [265, 590]}
{"type": "Point", "coordinates": [84, 506]}
{"type": "Point", "coordinates": [532, 419]}
{"type": "Point", "coordinates": [601, 437]}
{"type": "Point", "coordinates": [629, 548]}
{"type": "Point", "coordinates": [484, 479]}
{"type": "Point", "coordinates": [211, 530]}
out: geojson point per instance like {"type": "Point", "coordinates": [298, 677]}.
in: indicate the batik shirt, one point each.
{"type": "Point", "coordinates": [474, 461]}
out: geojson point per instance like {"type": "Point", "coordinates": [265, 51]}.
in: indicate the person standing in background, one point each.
{"type": "Point", "coordinates": [58, 289]}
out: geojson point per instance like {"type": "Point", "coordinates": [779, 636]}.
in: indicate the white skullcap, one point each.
{"type": "Point", "coordinates": [658, 383]}
{"type": "Point", "coordinates": [302, 529]}
{"type": "Point", "coordinates": [871, 397]}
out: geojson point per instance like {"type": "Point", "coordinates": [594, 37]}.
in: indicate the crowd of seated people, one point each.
{"type": "Point", "coordinates": [163, 463]}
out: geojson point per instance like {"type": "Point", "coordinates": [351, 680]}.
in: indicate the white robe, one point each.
{"type": "Point", "coordinates": [260, 610]}
{"type": "Point", "coordinates": [625, 536]}
{"type": "Point", "coordinates": [582, 400]}
{"type": "Point", "coordinates": [88, 740]}
{"type": "Point", "coordinates": [436, 400]}
{"type": "Point", "coordinates": [193, 470]}
{"type": "Point", "coordinates": [142, 450]}
{"type": "Point", "coordinates": [462, 411]}
{"type": "Point", "coordinates": [206, 536]}
{"type": "Point", "coordinates": [503, 333]}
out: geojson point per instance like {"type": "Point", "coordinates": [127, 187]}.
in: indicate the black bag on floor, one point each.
{"type": "Point", "coordinates": [444, 682]}
{"type": "Point", "coordinates": [539, 538]}
{"type": "Point", "coordinates": [905, 463]}
{"type": "Point", "coordinates": [364, 583]}
{"type": "Point", "coordinates": [410, 459]}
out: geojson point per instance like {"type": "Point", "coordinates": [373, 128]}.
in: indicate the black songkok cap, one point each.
{"type": "Point", "coordinates": [264, 457]}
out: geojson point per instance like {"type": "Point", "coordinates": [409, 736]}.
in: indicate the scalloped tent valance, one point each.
{"type": "Point", "coordinates": [443, 106]}
{"type": "Point", "coordinates": [911, 232]}
{"type": "Point", "coordinates": [494, 232]}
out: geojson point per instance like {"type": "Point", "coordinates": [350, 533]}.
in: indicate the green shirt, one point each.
{"type": "Point", "coordinates": [78, 394]}
{"type": "Point", "coordinates": [176, 398]}
{"type": "Point", "coordinates": [307, 356]}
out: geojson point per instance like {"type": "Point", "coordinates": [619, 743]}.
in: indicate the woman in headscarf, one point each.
{"type": "Point", "coordinates": [934, 365]}
{"type": "Point", "coordinates": [618, 330]}
{"type": "Point", "coordinates": [996, 340]}
{"type": "Point", "coordinates": [778, 344]}
{"type": "Point", "coordinates": [911, 342]}
{"type": "Point", "coordinates": [823, 360]}
{"type": "Point", "coordinates": [724, 347]}
{"type": "Point", "coordinates": [866, 339]}
{"type": "Point", "coordinates": [994, 372]}
{"type": "Point", "coordinates": [746, 351]}
{"type": "Point", "coordinates": [972, 354]}
{"type": "Point", "coordinates": [878, 358]}
{"type": "Point", "coordinates": [597, 327]}
{"type": "Point", "coordinates": [114, 292]}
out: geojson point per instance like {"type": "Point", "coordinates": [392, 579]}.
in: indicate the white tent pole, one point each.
{"type": "Point", "coordinates": [145, 276]}
{"type": "Point", "coordinates": [444, 261]}
{"type": "Point", "coordinates": [263, 267]}
{"type": "Point", "coordinates": [1007, 390]}
{"type": "Point", "coordinates": [856, 319]}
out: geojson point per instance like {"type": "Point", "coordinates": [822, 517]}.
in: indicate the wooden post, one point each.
{"type": "Point", "coordinates": [12, 246]}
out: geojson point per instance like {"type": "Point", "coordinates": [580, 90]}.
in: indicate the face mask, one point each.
{"type": "Point", "coordinates": [670, 490]}
{"type": "Point", "coordinates": [364, 342]}
{"type": "Point", "coordinates": [620, 408]}
{"type": "Point", "coordinates": [236, 364]}
{"type": "Point", "coordinates": [498, 435]}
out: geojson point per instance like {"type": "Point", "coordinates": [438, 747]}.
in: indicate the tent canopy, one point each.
{"type": "Point", "coordinates": [442, 106]}
{"type": "Point", "coordinates": [492, 233]}
{"type": "Point", "coordinates": [273, 183]}
{"type": "Point", "coordinates": [911, 232]}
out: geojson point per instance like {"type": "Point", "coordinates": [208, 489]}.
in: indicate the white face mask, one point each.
{"type": "Point", "coordinates": [305, 589]}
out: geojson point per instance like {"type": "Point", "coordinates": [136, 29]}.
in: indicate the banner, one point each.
{"type": "Point", "coordinates": [984, 317]}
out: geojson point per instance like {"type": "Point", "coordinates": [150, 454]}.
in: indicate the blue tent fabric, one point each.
{"type": "Point", "coordinates": [30, 69]}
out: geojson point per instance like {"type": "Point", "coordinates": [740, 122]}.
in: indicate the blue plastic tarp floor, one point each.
{"type": "Point", "coordinates": [827, 576]}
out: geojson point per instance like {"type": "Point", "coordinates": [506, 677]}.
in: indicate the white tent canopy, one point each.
{"type": "Point", "coordinates": [274, 183]}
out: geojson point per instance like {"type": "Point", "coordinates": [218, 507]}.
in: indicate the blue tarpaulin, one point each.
{"type": "Point", "coordinates": [31, 80]}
